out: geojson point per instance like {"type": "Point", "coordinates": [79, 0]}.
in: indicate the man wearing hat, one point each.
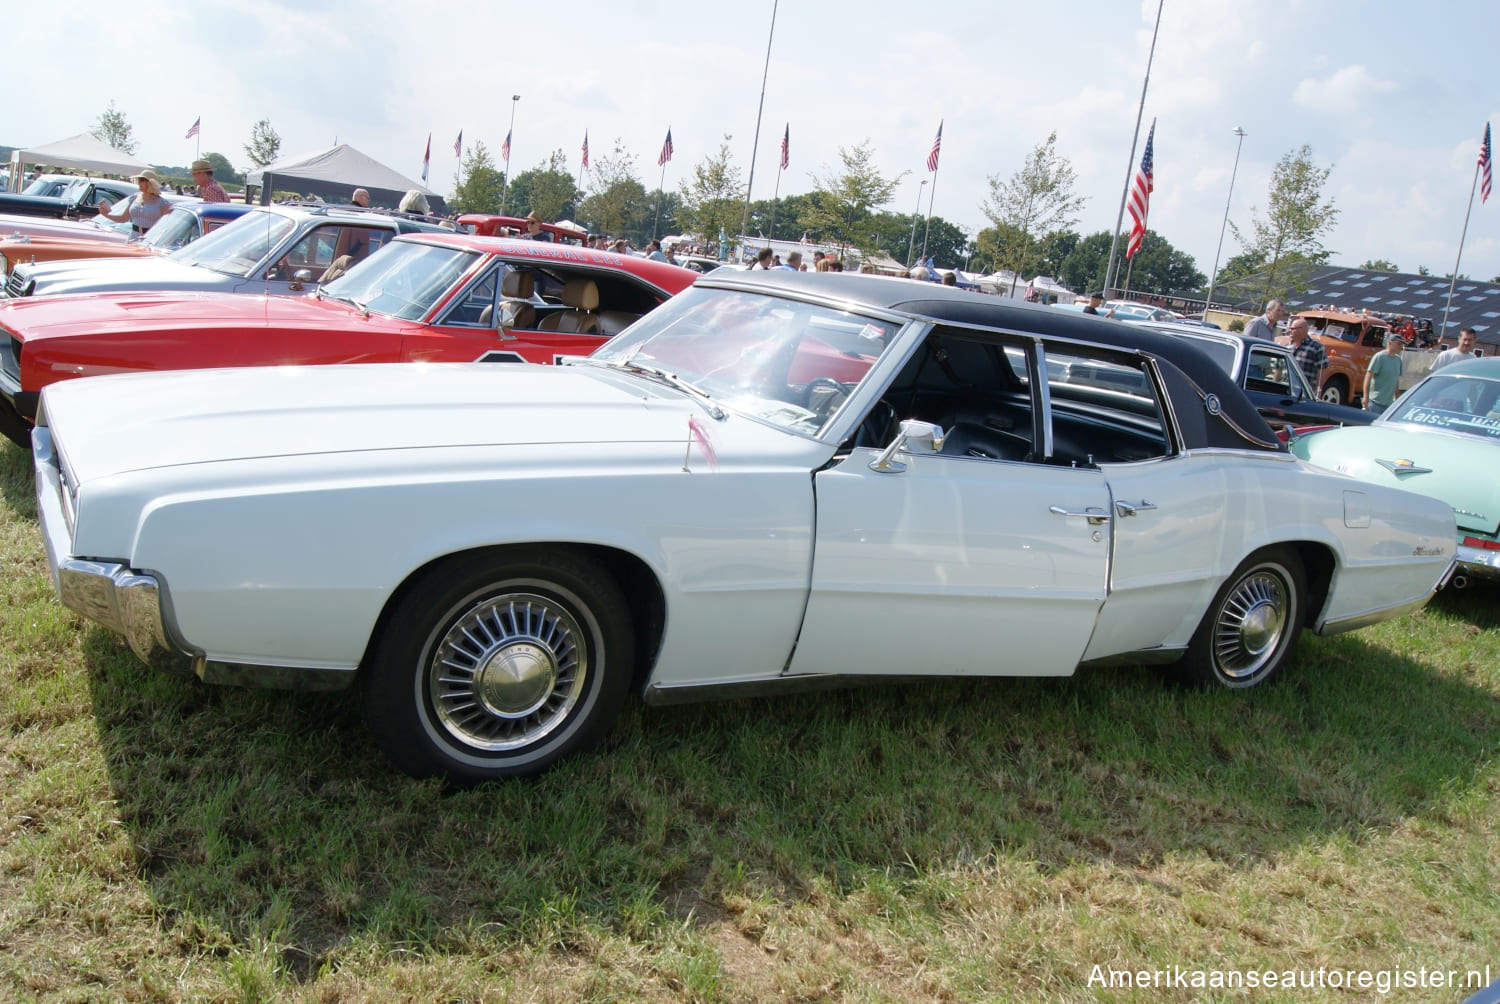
{"type": "Point", "coordinates": [209, 190]}
{"type": "Point", "coordinates": [534, 231]}
{"type": "Point", "coordinates": [1093, 308]}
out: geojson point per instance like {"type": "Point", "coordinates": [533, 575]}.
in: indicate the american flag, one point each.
{"type": "Point", "coordinates": [505, 149]}
{"type": "Point", "coordinates": [1140, 196]}
{"type": "Point", "coordinates": [786, 147]}
{"type": "Point", "coordinates": [585, 148]}
{"type": "Point", "coordinates": [194, 130]}
{"type": "Point", "coordinates": [426, 158]}
{"type": "Point", "coordinates": [1485, 159]}
{"type": "Point", "coordinates": [937, 144]}
{"type": "Point", "coordinates": [666, 150]}
{"type": "Point", "coordinates": [458, 144]}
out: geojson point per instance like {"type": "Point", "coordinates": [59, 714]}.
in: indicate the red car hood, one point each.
{"type": "Point", "coordinates": [34, 319]}
{"type": "Point", "coordinates": [14, 223]}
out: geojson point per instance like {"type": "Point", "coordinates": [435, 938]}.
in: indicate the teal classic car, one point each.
{"type": "Point", "coordinates": [1442, 439]}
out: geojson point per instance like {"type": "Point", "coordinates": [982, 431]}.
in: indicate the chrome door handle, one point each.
{"type": "Point", "coordinates": [1131, 508]}
{"type": "Point", "coordinates": [1094, 515]}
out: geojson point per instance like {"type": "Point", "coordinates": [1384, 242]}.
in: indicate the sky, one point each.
{"type": "Point", "coordinates": [1392, 98]}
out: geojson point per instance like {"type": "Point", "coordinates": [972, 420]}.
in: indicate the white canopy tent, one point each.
{"type": "Point", "coordinates": [76, 153]}
{"type": "Point", "coordinates": [333, 174]}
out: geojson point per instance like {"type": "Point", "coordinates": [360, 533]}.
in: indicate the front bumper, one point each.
{"type": "Point", "coordinates": [108, 592]}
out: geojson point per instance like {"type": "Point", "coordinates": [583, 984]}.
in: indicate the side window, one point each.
{"type": "Point", "coordinates": [1268, 372]}
{"type": "Point", "coordinates": [1104, 408]}
{"type": "Point", "coordinates": [320, 246]}
{"type": "Point", "coordinates": [476, 308]}
{"type": "Point", "coordinates": [1374, 337]}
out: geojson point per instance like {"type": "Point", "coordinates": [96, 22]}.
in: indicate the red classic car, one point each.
{"type": "Point", "coordinates": [491, 225]}
{"type": "Point", "coordinates": [421, 298]}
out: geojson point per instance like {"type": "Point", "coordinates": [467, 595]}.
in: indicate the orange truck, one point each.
{"type": "Point", "coordinates": [1351, 338]}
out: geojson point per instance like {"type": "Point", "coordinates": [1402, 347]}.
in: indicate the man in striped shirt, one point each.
{"type": "Point", "coordinates": [1311, 357]}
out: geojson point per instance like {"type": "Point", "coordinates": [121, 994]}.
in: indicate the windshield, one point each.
{"type": "Point", "coordinates": [1468, 405]}
{"type": "Point", "coordinates": [172, 231]}
{"type": "Point", "coordinates": [236, 248]}
{"type": "Point", "coordinates": [782, 361]}
{"type": "Point", "coordinates": [403, 279]}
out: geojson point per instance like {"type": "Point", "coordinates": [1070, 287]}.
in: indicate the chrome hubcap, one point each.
{"type": "Point", "coordinates": [1251, 624]}
{"type": "Point", "coordinates": [508, 671]}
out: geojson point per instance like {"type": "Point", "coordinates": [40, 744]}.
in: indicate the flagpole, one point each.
{"type": "Point", "coordinates": [509, 133]}
{"type": "Point", "coordinates": [755, 145]}
{"type": "Point", "coordinates": [1443, 333]}
{"type": "Point", "coordinates": [660, 191]}
{"type": "Point", "coordinates": [1140, 112]}
{"type": "Point", "coordinates": [775, 197]}
{"type": "Point", "coordinates": [932, 196]}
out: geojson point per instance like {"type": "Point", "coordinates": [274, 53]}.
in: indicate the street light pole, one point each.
{"type": "Point", "coordinates": [509, 133]}
{"type": "Point", "coordinates": [912, 247]}
{"type": "Point", "coordinates": [1213, 277]}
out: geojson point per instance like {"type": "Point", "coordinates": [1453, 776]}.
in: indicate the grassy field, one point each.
{"type": "Point", "coordinates": [161, 840]}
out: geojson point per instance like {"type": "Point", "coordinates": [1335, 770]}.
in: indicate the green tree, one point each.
{"type": "Point", "coordinates": [842, 204]}
{"type": "Point", "coordinates": [476, 186]}
{"type": "Point", "coordinates": [1055, 248]}
{"type": "Point", "coordinates": [713, 198]}
{"type": "Point", "coordinates": [223, 170]}
{"type": "Point", "coordinates": [264, 145]}
{"type": "Point", "coordinates": [616, 196]}
{"type": "Point", "coordinates": [1029, 208]}
{"type": "Point", "coordinates": [547, 189]}
{"type": "Point", "coordinates": [112, 129]}
{"type": "Point", "coordinates": [1288, 237]}
{"type": "Point", "coordinates": [1380, 265]}
{"type": "Point", "coordinates": [1158, 267]}
{"type": "Point", "coordinates": [1083, 269]}
{"type": "Point", "coordinates": [1423, 270]}
{"type": "Point", "coordinates": [781, 217]}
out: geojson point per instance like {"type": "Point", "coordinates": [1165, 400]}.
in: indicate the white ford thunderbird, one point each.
{"type": "Point", "coordinates": [773, 481]}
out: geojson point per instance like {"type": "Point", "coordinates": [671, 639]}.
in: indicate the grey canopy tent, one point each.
{"type": "Point", "coordinates": [333, 175]}
{"type": "Point", "coordinates": [76, 153]}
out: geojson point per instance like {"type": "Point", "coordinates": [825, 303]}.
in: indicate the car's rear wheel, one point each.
{"type": "Point", "coordinates": [1249, 630]}
{"type": "Point", "coordinates": [1335, 391]}
{"type": "Point", "coordinates": [496, 668]}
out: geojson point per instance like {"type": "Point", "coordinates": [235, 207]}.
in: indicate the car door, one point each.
{"type": "Point", "coordinates": [961, 562]}
{"type": "Point", "coordinates": [477, 327]}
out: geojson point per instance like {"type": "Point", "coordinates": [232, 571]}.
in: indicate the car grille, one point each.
{"type": "Point", "coordinates": [19, 283]}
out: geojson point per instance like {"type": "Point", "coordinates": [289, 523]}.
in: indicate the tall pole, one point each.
{"type": "Point", "coordinates": [1213, 277]}
{"type": "Point", "coordinates": [755, 146]}
{"type": "Point", "coordinates": [1114, 244]}
{"type": "Point", "coordinates": [660, 194]}
{"type": "Point", "coordinates": [775, 197]}
{"type": "Point", "coordinates": [1472, 185]}
{"type": "Point", "coordinates": [912, 247]}
{"type": "Point", "coordinates": [931, 196]}
{"type": "Point", "coordinates": [509, 136]}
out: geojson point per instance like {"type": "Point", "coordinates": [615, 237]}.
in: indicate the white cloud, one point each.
{"type": "Point", "coordinates": [1348, 90]}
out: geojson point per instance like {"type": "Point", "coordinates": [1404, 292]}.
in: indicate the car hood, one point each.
{"type": "Point", "coordinates": [40, 319]}
{"type": "Point", "coordinates": [39, 225]}
{"type": "Point", "coordinates": [50, 247]}
{"type": "Point", "coordinates": [108, 426]}
{"type": "Point", "coordinates": [100, 275]}
{"type": "Point", "coordinates": [1454, 468]}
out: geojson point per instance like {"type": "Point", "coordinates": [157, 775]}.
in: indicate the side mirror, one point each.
{"type": "Point", "coordinates": [300, 278]}
{"type": "Point", "coordinates": [914, 435]}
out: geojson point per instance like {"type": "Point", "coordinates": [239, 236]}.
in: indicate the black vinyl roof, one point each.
{"type": "Point", "coordinates": [1236, 425]}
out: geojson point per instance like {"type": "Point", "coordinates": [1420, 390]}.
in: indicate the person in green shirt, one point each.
{"type": "Point", "coordinates": [1383, 374]}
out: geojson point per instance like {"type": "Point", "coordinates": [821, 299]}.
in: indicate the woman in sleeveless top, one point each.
{"type": "Point", "coordinates": [142, 209]}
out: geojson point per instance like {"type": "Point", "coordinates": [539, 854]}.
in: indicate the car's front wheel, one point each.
{"type": "Point", "coordinates": [1249, 630]}
{"type": "Point", "coordinates": [499, 668]}
{"type": "Point", "coordinates": [1335, 391]}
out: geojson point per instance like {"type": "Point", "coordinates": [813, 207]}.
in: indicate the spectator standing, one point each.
{"type": "Point", "coordinates": [1311, 357]}
{"type": "Point", "coordinates": [1093, 306]}
{"type": "Point", "coordinates": [763, 259]}
{"type": "Point", "coordinates": [1264, 326]}
{"type": "Point", "coordinates": [414, 202]}
{"type": "Point", "coordinates": [672, 255]}
{"type": "Point", "coordinates": [950, 279]}
{"type": "Point", "coordinates": [1463, 350]}
{"type": "Point", "coordinates": [654, 251]}
{"type": "Point", "coordinates": [361, 197]}
{"type": "Point", "coordinates": [1383, 375]}
{"type": "Point", "coordinates": [793, 262]}
{"type": "Point", "coordinates": [143, 208]}
{"type": "Point", "coordinates": [534, 231]}
{"type": "Point", "coordinates": [209, 190]}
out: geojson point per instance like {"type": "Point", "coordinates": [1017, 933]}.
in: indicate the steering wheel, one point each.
{"type": "Point", "coordinates": [825, 404]}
